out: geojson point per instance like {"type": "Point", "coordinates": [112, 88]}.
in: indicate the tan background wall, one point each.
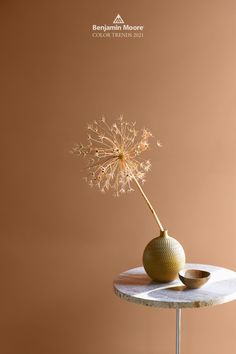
{"type": "Point", "coordinates": [62, 243]}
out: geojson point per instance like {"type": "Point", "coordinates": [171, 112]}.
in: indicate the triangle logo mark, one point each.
{"type": "Point", "coordinates": [118, 19]}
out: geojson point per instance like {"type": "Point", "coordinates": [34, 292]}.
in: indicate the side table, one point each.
{"type": "Point", "coordinates": [134, 285]}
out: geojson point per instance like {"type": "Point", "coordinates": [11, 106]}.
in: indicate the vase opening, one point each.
{"type": "Point", "coordinates": [163, 233]}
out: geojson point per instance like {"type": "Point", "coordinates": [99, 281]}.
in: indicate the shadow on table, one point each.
{"type": "Point", "coordinates": [134, 279]}
{"type": "Point", "coordinates": [177, 288]}
{"type": "Point", "coordinates": [144, 280]}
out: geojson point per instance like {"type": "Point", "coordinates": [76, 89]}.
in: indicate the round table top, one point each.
{"type": "Point", "coordinates": [134, 285]}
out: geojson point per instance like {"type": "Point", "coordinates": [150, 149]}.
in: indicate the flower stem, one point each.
{"type": "Point", "coordinates": [147, 201]}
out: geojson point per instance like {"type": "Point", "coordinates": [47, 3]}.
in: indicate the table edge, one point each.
{"type": "Point", "coordinates": [174, 305]}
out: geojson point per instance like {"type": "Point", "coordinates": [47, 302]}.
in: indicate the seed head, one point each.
{"type": "Point", "coordinates": [113, 154]}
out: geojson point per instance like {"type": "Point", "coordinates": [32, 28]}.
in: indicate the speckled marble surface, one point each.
{"type": "Point", "coordinates": [134, 285]}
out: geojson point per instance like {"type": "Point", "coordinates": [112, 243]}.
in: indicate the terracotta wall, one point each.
{"type": "Point", "coordinates": [63, 243]}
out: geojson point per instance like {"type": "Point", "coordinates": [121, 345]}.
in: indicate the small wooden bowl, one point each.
{"type": "Point", "coordinates": [194, 278]}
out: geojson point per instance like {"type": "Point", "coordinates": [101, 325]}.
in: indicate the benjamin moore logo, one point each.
{"type": "Point", "coordinates": [118, 19]}
{"type": "Point", "coordinates": [118, 30]}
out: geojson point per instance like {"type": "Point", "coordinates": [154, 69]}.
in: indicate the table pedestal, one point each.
{"type": "Point", "coordinates": [178, 330]}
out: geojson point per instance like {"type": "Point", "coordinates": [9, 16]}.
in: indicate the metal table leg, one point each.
{"type": "Point", "coordinates": [178, 330]}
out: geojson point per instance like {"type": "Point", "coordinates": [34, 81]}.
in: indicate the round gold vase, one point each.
{"type": "Point", "coordinates": [163, 258]}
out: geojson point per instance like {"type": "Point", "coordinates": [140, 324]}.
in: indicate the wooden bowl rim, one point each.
{"type": "Point", "coordinates": [205, 274]}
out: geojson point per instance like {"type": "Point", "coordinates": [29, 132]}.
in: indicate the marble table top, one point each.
{"type": "Point", "coordinates": [134, 285]}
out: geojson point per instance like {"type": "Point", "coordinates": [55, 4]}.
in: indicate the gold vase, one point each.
{"type": "Point", "coordinates": [163, 258]}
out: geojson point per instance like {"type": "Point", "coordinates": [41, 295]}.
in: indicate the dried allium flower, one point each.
{"type": "Point", "coordinates": [114, 161]}
{"type": "Point", "coordinates": [113, 154]}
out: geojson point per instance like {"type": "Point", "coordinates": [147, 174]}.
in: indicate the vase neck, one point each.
{"type": "Point", "coordinates": [164, 233]}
